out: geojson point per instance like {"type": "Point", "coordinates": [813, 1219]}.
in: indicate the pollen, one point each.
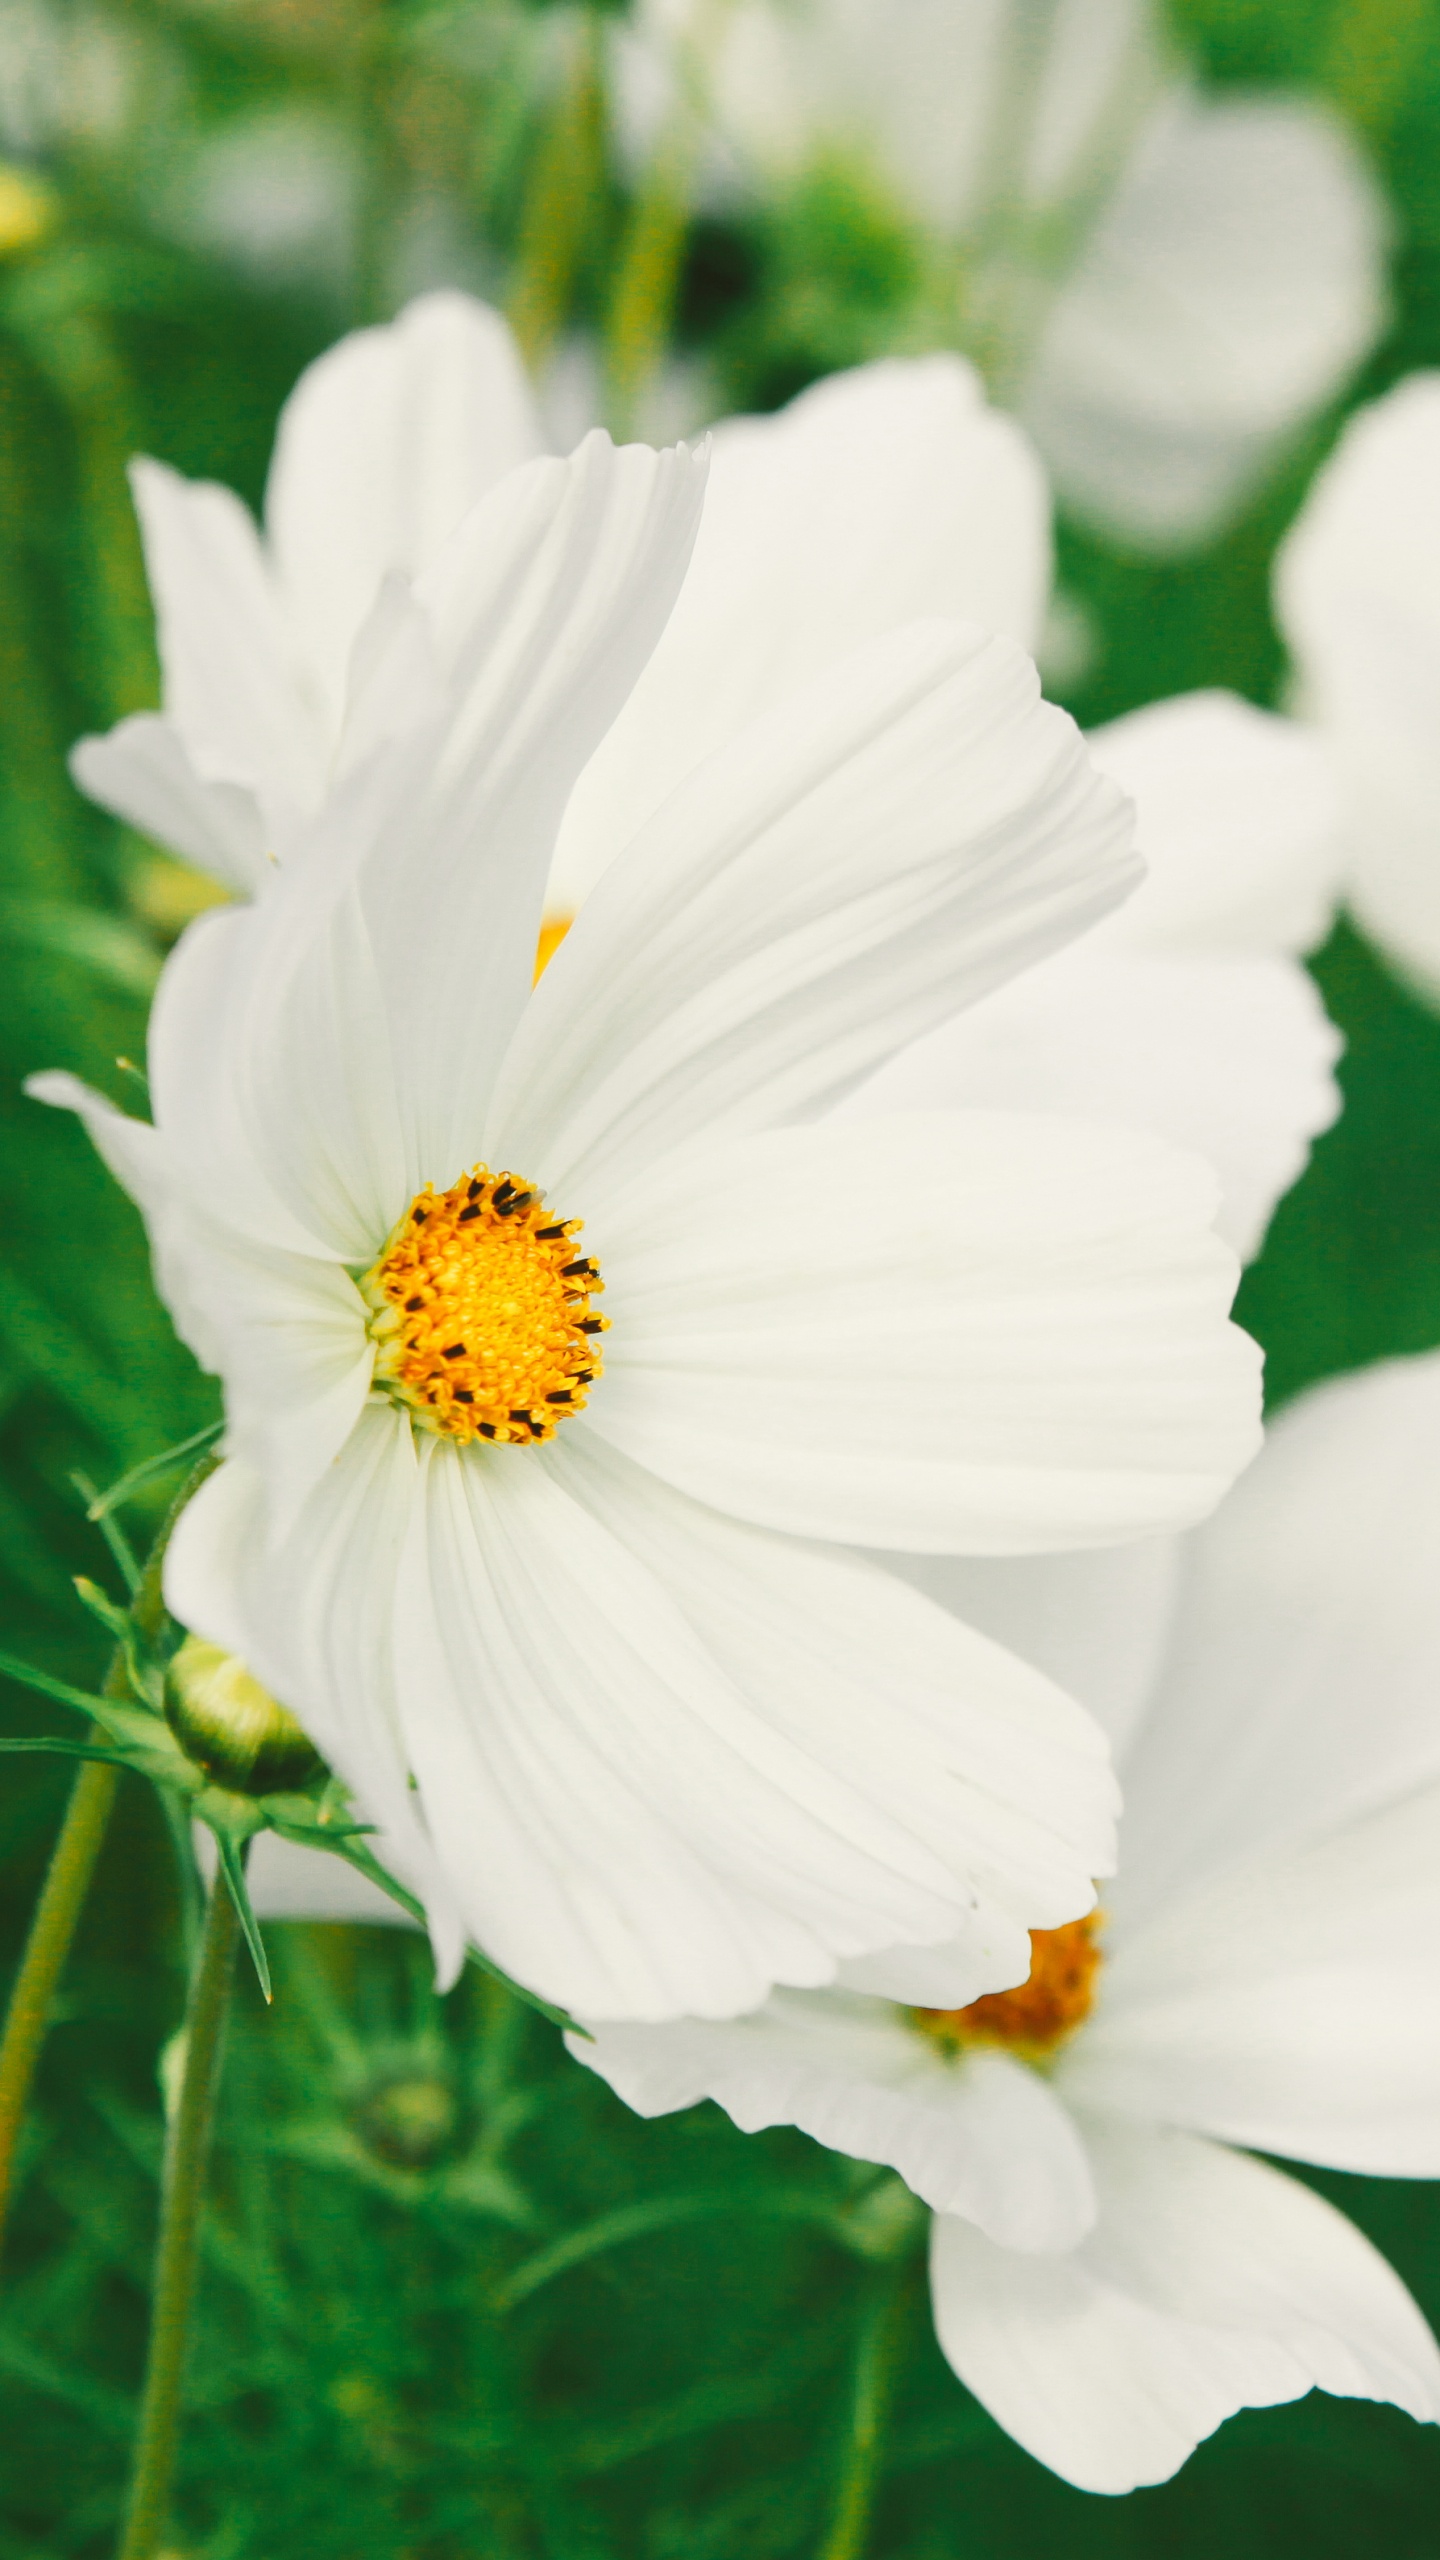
{"type": "Point", "coordinates": [1037, 2017]}
{"type": "Point", "coordinates": [482, 1312]}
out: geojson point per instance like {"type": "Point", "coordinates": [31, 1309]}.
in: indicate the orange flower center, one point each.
{"type": "Point", "coordinates": [481, 1312]}
{"type": "Point", "coordinates": [1040, 2013]}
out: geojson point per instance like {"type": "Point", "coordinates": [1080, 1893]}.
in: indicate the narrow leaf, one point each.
{"type": "Point", "coordinates": [150, 1468]}
{"type": "Point", "coordinates": [234, 1872]}
{"type": "Point", "coordinates": [30, 1678]}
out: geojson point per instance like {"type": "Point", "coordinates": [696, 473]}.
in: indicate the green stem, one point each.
{"type": "Point", "coordinates": [877, 2357]}
{"type": "Point", "coordinates": [187, 2151]}
{"type": "Point", "coordinates": [72, 1865]}
{"type": "Point", "coordinates": [61, 1902]}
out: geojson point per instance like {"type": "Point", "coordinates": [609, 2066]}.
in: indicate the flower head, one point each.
{"type": "Point", "coordinates": [1111, 2274]}
{"type": "Point", "coordinates": [615, 1718]}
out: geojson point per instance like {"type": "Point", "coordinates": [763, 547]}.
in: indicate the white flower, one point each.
{"type": "Point", "coordinates": [384, 446]}
{"type": "Point", "coordinates": [1358, 594]}
{"type": "Point", "coordinates": [1111, 2276]}
{"type": "Point", "coordinates": [651, 1755]}
{"type": "Point", "coordinates": [1166, 286]}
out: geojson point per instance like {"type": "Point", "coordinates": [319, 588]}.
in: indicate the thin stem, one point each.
{"type": "Point", "coordinates": [877, 2357]}
{"type": "Point", "coordinates": [187, 2152]}
{"type": "Point", "coordinates": [61, 1901]}
{"type": "Point", "coordinates": [72, 1864]}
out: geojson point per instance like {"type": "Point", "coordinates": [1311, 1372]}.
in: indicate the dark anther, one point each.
{"type": "Point", "coordinates": [463, 1396]}
{"type": "Point", "coordinates": [522, 1200]}
{"type": "Point", "coordinates": [559, 1395]}
{"type": "Point", "coordinates": [584, 1377]}
{"type": "Point", "coordinates": [419, 1216]}
{"type": "Point", "coordinates": [474, 1190]}
{"type": "Point", "coordinates": [486, 1430]}
{"type": "Point", "coordinates": [569, 1269]}
{"type": "Point", "coordinates": [545, 1235]}
{"type": "Point", "coordinates": [591, 1324]}
{"type": "Point", "coordinates": [522, 1417]}
{"type": "Point", "coordinates": [411, 1305]}
{"type": "Point", "coordinates": [467, 1214]}
{"type": "Point", "coordinates": [504, 1187]}
{"type": "Point", "coordinates": [453, 1351]}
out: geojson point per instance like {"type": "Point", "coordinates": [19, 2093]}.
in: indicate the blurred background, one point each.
{"type": "Point", "coordinates": [457, 2304]}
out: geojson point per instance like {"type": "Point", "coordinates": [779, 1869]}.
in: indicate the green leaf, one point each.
{"type": "Point", "coordinates": [149, 1468]}
{"type": "Point", "coordinates": [69, 1749]}
{"type": "Point", "coordinates": [29, 1678]}
{"type": "Point", "coordinates": [233, 1869]}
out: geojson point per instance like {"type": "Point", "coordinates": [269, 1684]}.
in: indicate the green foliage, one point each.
{"type": "Point", "coordinates": [457, 2303]}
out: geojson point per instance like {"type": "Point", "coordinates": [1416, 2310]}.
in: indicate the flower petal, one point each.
{"type": "Point", "coordinates": [383, 447]}
{"type": "Point", "coordinates": [233, 686]}
{"type": "Point", "coordinates": [966, 1333]}
{"type": "Point", "coordinates": [143, 772]}
{"type": "Point", "coordinates": [669, 1761]}
{"type": "Point", "coordinates": [877, 498]}
{"type": "Point", "coordinates": [1210, 2283]}
{"type": "Point", "coordinates": [1096, 1623]}
{"type": "Point", "coordinates": [1304, 1656]}
{"type": "Point", "coordinates": [1232, 283]}
{"type": "Point", "coordinates": [1239, 821]}
{"type": "Point", "coordinates": [980, 2136]}
{"type": "Point", "coordinates": [1226, 1053]}
{"type": "Point", "coordinates": [879, 852]}
{"type": "Point", "coordinates": [310, 1613]}
{"type": "Point", "coordinates": [1358, 595]}
{"type": "Point", "coordinates": [1292, 2005]}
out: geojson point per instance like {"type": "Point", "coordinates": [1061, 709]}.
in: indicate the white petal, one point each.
{"type": "Point", "coordinates": [1226, 1053]}
{"type": "Point", "coordinates": [233, 685]}
{"type": "Point", "coordinates": [1238, 818]}
{"type": "Point", "coordinates": [1209, 2284]}
{"type": "Point", "coordinates": [319, 1056]}
{"type": "Point", "coordinates": [669, 1761]}
{"type": "Point", "coordinates": [383, 447]}
{"type": "Point", "coordinates": [144, 772]}
{"type": "Point", "coordinates": [1304, 1659]}
{"type": "Point", "coordinates": [1228, 289]}
{"type": "Point", "coordinates": [877, 853]}
{"type": "Point", "coordinates": [982, 2136]}
{"type": "Point", "coordinates": [1097, 1623]}
{"type": "Point", "coordinates": [877, 498]}
{"type": "Point", "coordinates": [544, 610]}
{"type": "Point", "coordinates": [1293, 2005]}
{"type": "Point", "coordinates": [966, 1333]}
{"type": "Point", "coordinates": [1358, 594]}
{"type": "Point", "coordinates": [311, 1614]}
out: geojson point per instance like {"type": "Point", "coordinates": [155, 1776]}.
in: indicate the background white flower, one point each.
{"type": "Point", "coordinates": [1109, 2276]}
{"type": "Point", "coordinates": [1165, 285]}
{"type": "Point", "coordinates": [1358, 595]}
{"type": "Point", "coordinates": [662, 1759]}
{"type": "Point", "coordinates": [385, 444]}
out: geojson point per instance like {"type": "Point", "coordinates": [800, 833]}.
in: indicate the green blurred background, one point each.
{"type": "Point", "coordinates": [457, 2304]}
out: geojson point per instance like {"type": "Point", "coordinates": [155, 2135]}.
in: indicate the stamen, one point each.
{"type": "Point", "coordinates": [1036, 2017]}
{"type": "Point", "coordinates": [481, 1315]}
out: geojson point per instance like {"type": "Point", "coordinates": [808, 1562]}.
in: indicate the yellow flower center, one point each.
{"type": "Point", "coordinates": [1039, 2014]}
{"type": "Point", "coordinates": [481, 1311]}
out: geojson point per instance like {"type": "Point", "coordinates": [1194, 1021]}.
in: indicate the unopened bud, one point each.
{"type": "Point", "coordinates": [231, 1727]}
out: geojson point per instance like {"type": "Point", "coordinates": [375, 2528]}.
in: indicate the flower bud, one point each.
{"type": "Point", "coordinates": [409, 2117]}
{"type": "Point", "coordinates": [231, 1727]}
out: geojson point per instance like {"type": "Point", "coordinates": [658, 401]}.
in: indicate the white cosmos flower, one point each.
{"type": "Point", "coordinates": [1165, 285]}
{"type": "Point", "coordinates": [384, 446]}
{"type": "Point", "coordinates": [1112, 2273]}
{"type": "Point", "coordinates": [653, 1756]}
{"type": "Point", "coordinates": [1358, 595]}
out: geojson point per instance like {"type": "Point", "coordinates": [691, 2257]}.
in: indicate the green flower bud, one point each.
{"type": "Point", "coordinates": [409, 2117]}
{"type": "Point", "coordinates": [231, 1727]}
